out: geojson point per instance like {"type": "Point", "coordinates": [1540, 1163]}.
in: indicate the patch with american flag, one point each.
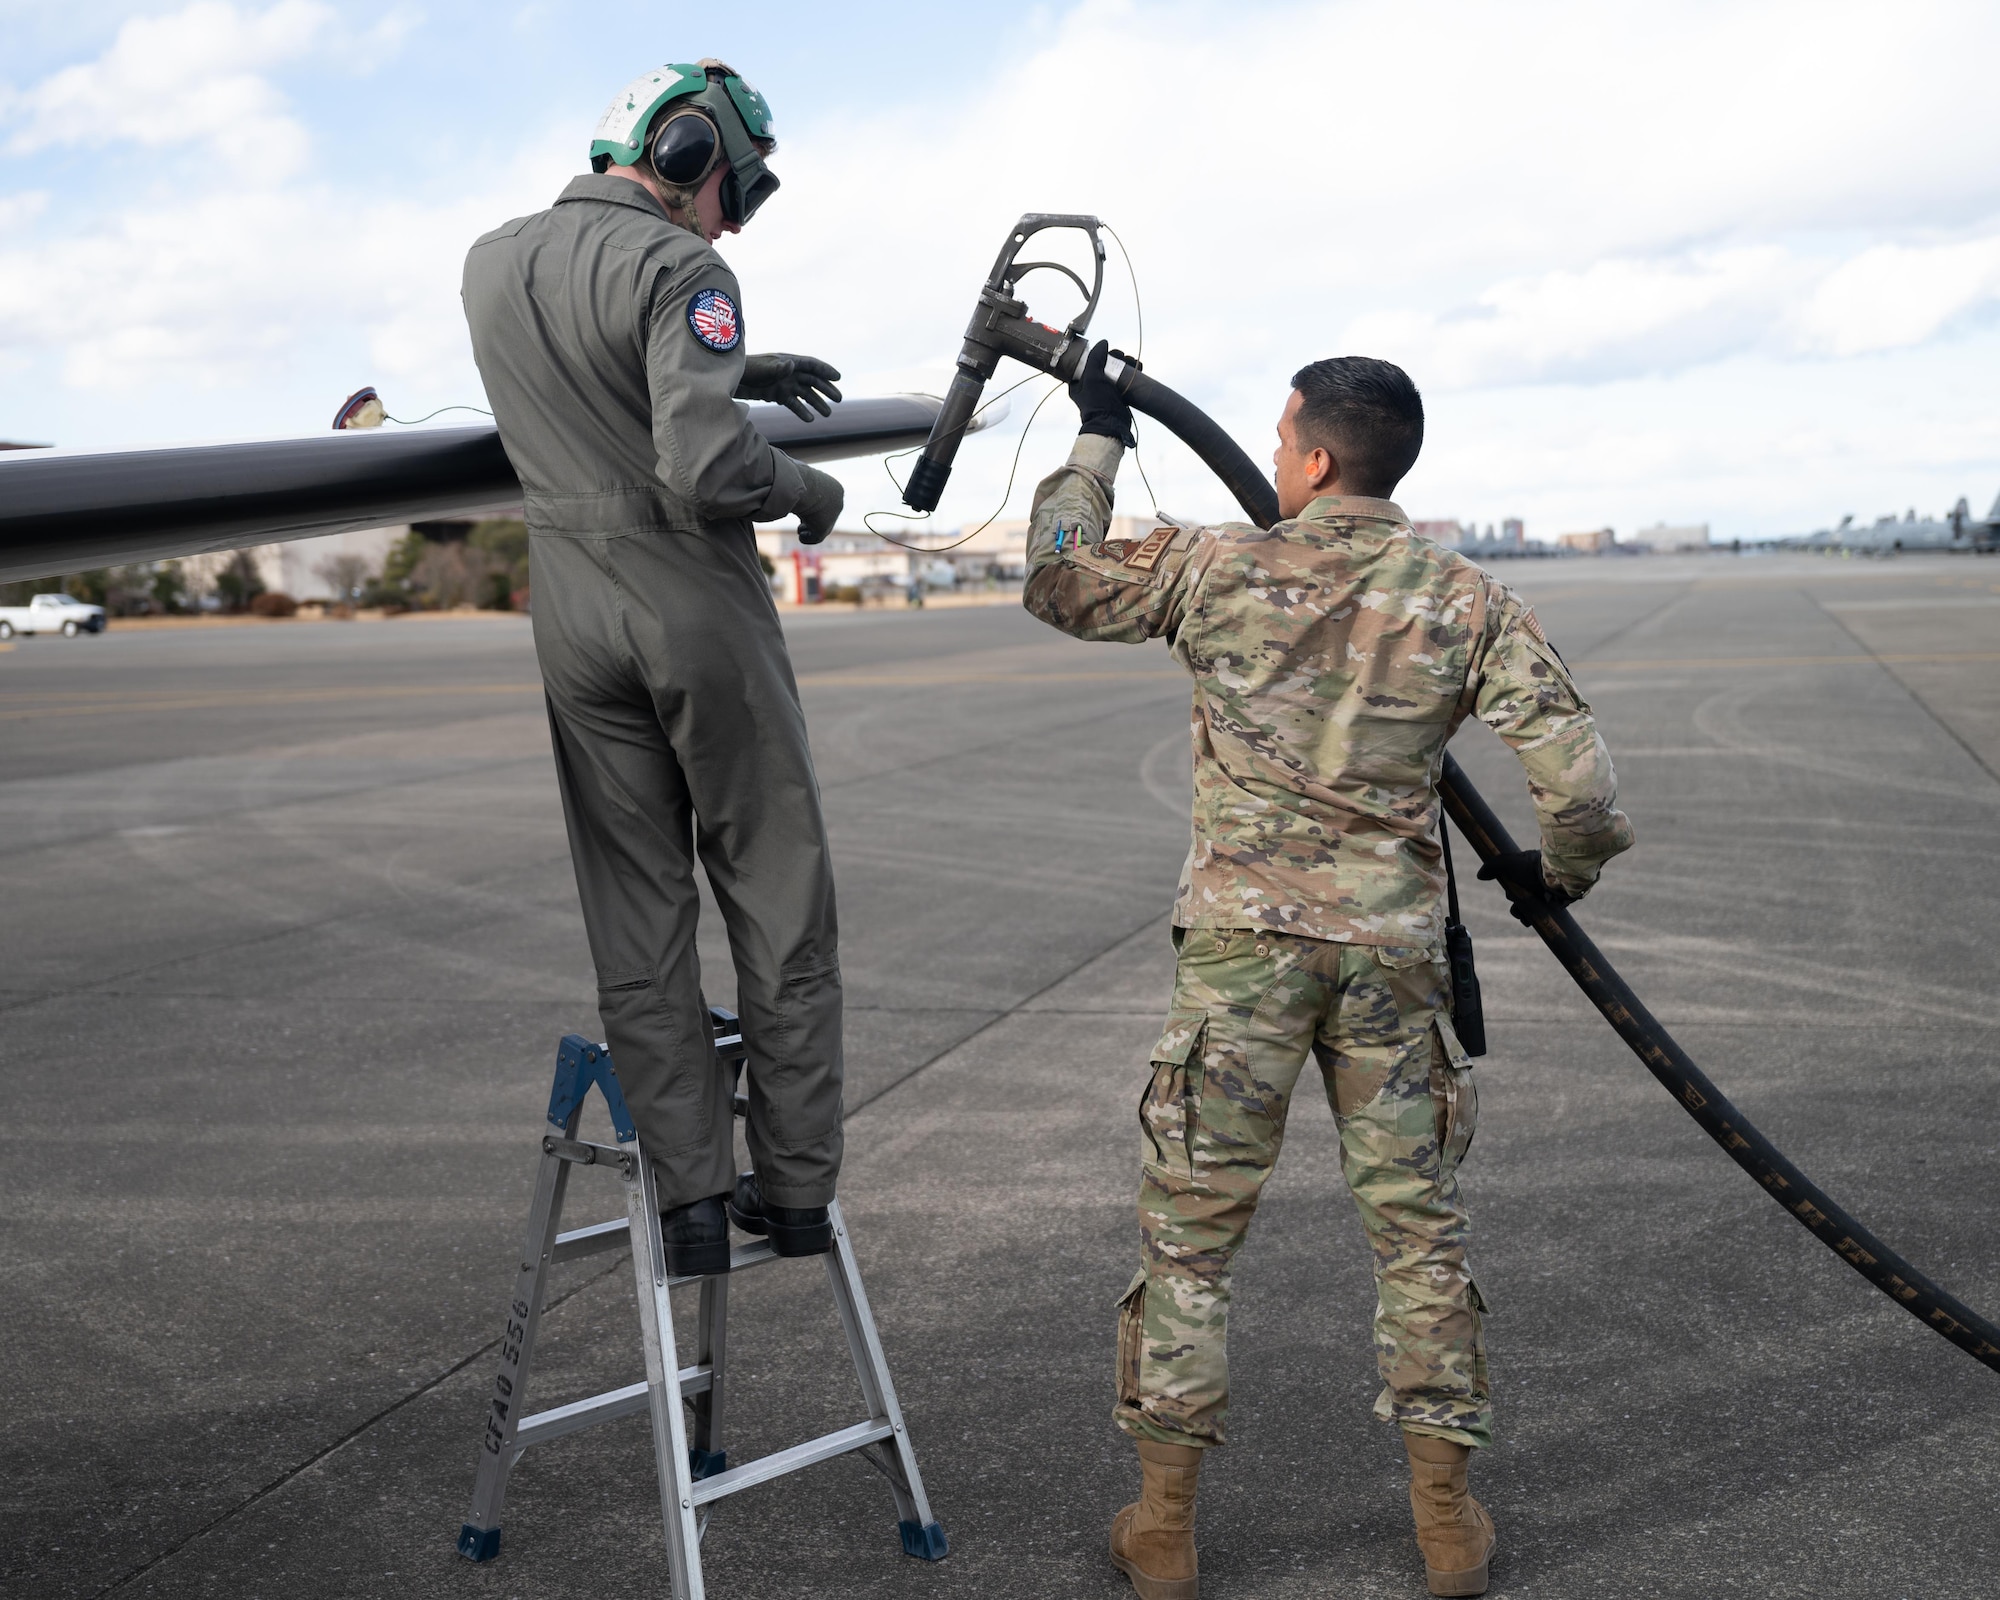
{"type": "Point", "coordinates": [712, 316]}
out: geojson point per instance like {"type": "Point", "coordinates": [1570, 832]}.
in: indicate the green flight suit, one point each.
{"type": "Point", "coordinates": [611, 345]}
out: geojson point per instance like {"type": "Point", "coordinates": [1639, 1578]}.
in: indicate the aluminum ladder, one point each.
{"type": "Point", "coordinates": [693, 1466]}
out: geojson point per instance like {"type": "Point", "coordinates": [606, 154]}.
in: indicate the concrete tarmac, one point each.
{"type": "Point", "coordinates": [287, 938]}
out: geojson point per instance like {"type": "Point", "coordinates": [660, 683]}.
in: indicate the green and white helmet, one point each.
{"type": "Point", "coordinates": [633, 131]}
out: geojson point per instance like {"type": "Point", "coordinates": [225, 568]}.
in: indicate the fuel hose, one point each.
{"type": "Point", "coordinates": [1809, 1205]}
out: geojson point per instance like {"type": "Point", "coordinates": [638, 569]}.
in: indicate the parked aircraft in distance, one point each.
{"type": "Point", "coordinates": [1959, 531]}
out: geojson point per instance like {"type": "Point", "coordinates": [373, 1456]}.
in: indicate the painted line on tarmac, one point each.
{"type": "Point", "coordinates": [618, 1263]}
{"type": "Point", "coordinates": [905, 680]}
{"type": "Point", "coordinates": [114, 702]}
{"type": "Point", "coordinates": [1916, 602]}
{"type": "Point", "coordinates": [288, 1474]}
{"type": "Point", "coordinates": [1889, 662]}
{"type": "Point", "coordinates": [1732, 663]}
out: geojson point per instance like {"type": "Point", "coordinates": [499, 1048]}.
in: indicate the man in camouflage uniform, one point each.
{"type": "Point", "coordinates": [1333, 657]}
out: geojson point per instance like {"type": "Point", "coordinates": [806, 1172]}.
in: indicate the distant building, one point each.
{"type": "Point", "coordinates": [295, 567]}
{"type": "Point", "coordinates": [1466, 538]}
{"type": "Point", "coordinates": [1664, 540]}
{"type": "Point", "coordinates": [798, 577]}
{"type": "Point", "coordinates": [1597, 542]}
{"type": "Point", "coordinates": [862, 560]}
{"type": "Point", "coordinates": [1002, 545]}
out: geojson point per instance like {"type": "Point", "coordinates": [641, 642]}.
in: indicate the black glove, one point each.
{"type": "Point", "coordinates": [793, 382]}
{"type": "Point", "coordinates": [1099, 404]}
{"type": "Point", "coordinates": [819, 507]}
{"type": "Point", "coordinates": [1530, 892]}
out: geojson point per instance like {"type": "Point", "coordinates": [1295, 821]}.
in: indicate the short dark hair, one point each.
{"type": "Point", "coordinates": [1367, 414]}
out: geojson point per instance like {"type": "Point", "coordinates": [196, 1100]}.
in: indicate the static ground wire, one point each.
{"type": "Point", "coordinates": [868, 521]}
{"type": "Point", "coordinates": [411, 422]}
{"type": "Point", "coordinates": [1138, 350]}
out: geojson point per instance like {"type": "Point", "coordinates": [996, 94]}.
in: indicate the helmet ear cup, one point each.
{"type": "Point", "coordinates": [685, 148]}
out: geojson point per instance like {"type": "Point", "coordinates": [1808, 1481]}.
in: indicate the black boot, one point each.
{"type": "Point", "coordinates": [793, 1230]}
{"type": "Point", "coordinates": [697, 1238]}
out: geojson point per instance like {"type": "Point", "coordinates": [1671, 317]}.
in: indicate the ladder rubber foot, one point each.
{"type": "Point", "coordinates": [483, 1544]}
{"type": "Point", "coordinates": [924, 1540]}
{"type": "Point", "coordinates": [706, 1463]}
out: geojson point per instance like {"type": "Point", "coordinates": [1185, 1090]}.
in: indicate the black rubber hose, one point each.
{"type": "Point", "coordinates": [1816, 1211]}
{"type": "Point", "coordinates": [1810, 1206]}
{"type": "Point", "coordinates": [1202, 434]}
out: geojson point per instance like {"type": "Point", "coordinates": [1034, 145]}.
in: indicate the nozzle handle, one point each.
{"type": "Point", "coordinates": [1000, 326]}
{"type": "Point", "coordinates": [933, 468]}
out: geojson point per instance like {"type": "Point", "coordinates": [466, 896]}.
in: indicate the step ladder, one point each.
{"type": "Point", "coordinates": [693, 1466]}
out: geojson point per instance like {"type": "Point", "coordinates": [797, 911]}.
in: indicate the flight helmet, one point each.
{"type": "Point", "coordinates": [680, 121]}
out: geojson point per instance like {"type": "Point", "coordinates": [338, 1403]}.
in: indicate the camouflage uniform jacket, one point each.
{"type": "Point", "coordinates": [1333, 658]}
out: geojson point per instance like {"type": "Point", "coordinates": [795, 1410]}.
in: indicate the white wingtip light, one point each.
{"type": "Point", "coordinates": [361, 409]}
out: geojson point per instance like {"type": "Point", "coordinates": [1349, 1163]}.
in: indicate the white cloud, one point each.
{"type": "Point", "coordinates": [192, 77]}
{"type": "Point", "coordinates": [18, 210]}
{"type": "Point", "coordinates": [225, 289]}
{"type": "Point", "coordinates": [1621, 318]}
{"type": "Point", "coordinates": [1560, 193]}
{"type": "Point", "coordinates": [1614, 318]}
{"type": "Point", "coordinates": [1649, 252]}
{"type": "Point", "coordinates": [1895, 295]}
{"type": "Point", "coordinates": [219, 286]}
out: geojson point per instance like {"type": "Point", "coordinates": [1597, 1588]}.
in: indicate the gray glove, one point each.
{"type": "Point", "coordinates": [819, 507]}
{"type": "Point", "coordinates": [793, 382]}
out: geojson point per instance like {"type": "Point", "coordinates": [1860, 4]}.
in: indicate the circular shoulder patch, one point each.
{"type": "Point", "coordinates": [712, 316]}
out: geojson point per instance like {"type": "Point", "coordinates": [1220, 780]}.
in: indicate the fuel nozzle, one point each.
{"type": "Point", "coordinates": [1001, 326]}
{"type": "Point", "coordinates": [933, 468]}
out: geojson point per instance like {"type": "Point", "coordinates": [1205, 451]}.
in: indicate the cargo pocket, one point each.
{"type": "Point", "coordinates": [1417, 973]}
{"type": "Point", "coordinates": [1454, 1096]}
{"type": "Point", "coordinates": [1170, 1109]}
{"type": "Point", "coordinates": [1131, 1337]}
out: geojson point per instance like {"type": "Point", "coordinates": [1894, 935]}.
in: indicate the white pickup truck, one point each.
{"type": "Point", "coordinates": [51, 613]}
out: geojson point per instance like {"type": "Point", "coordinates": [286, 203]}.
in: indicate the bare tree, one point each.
{"type": "Point", "coordinates": [344, 573]}
{"type": "Point", "coordinates": [454, 574]}
{"type": "Point", "coordinates": [198, 574]}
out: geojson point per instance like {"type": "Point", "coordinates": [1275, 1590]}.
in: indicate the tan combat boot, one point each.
{"type": "Point", "coordinates": [1152, 1540]}
{"type": "Point", "coordinates": [1453, 1530]}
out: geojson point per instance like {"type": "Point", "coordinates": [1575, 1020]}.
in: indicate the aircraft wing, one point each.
{"type": "Point", "coordinates": [67, 511]}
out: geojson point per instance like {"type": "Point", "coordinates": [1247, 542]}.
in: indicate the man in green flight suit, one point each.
{"type": "Point", "coordinates": [1333, 657]}
{"type": "Point", "coordinates": [610, 336]}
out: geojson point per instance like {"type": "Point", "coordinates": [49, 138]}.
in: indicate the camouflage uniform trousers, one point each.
{"type": "Point", "coordinates": [1248, 1008]}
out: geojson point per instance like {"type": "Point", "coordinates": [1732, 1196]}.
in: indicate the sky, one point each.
{"type": "Point", "coordinates": [1687, 262]}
